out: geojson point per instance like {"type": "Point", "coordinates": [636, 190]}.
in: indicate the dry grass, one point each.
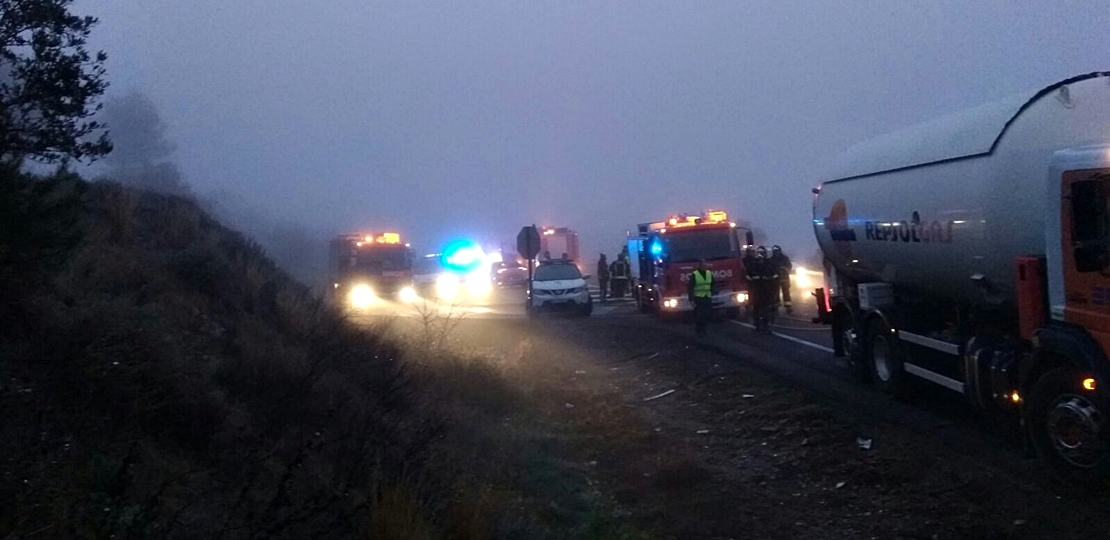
{"type": "Point", "coordinates": [169, 381]}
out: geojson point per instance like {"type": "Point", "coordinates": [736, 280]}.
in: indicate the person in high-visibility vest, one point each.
{"type": "Point", "coordinates": [701, 288]}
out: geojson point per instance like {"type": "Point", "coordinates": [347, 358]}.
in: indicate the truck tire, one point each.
{"type": "Point", "coordinates": [641, 303]}
{"type": "Point", "coordinates": [662, 314]}
{"type": "Point", "coordinates": [1067, 425]}
{"type": "Point", "coordinates": [884, 358]}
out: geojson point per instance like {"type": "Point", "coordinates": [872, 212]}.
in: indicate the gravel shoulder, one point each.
{"type": "Point", "coordinates": [689, 439]}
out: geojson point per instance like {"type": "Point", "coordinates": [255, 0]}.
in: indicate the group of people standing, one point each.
{"type": "Point", "coordinates": [768, 276]}
{"type": "Point", "coordinates": [613, 278]}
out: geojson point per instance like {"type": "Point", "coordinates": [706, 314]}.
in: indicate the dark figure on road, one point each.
{"type": "Point", "coordinates": [782, 266]}
{"type": "Point", "coordinates": [749, 264]}
{"type": "Point", "coordinates": [701, 288]}
{"type": "Point", "coordinates": [618, 276]}
{"type": "Point", "coordinates": [764, 283]}
{"type": "Point", "coordinates": [603, 277]}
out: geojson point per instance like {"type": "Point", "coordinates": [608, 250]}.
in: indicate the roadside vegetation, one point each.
{"type": "Point", "coordinates": [161, 377]}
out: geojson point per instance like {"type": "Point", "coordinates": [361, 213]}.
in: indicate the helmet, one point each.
{"type": "Point", "coordinates": [776, 249]}
{"type": "Point", "coordinates": [761, 252]}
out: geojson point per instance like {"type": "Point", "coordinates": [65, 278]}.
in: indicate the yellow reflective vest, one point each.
{"type": "Point", "coordinates": [703, 284]}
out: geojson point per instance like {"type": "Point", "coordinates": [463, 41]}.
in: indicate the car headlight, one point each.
{"type": "Point", "coordinates": [477, 287]}
{"type": "Point", "coordinates": [361, 296]}
{"type": "Point", "coordinates": [408, 294]}
{"type": "Point", "coordinates": [742, 297]}
{"type": "Point", "coordinates": [447, 286]}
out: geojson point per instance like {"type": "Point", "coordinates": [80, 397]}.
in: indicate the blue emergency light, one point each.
{"type": "Point", "coordinates": [463, 256]}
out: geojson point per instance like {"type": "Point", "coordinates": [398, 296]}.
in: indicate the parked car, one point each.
{"type": "Point", "coordinates": [434, 281]}
{"type": "Point", "coordinates": [509, 274]}
{"type": "Point", "coordinates": [559, 286]}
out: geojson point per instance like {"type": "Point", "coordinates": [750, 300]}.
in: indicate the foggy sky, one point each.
{"type": "Point", "coordinates": [445, 119]}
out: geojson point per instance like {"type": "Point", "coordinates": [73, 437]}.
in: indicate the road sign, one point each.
{"type": "Point", "coordinates": [528, 246]}
{"type": "Point", "coordinates": [528, 242]}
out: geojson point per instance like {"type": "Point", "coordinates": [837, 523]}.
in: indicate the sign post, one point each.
{"type": "Point", "coordinates": [528, 246]}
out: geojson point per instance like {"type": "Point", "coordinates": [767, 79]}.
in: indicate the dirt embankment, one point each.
{"type": "Point", "coordinates": [160, 377]}
{"type": "Point", "coordinates": [688, 443]}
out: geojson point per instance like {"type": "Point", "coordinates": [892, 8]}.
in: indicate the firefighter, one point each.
{"type": "Point", "coordinates": [603, 277]}
{"type": "Point", "coordinates": [700, 289]}
{"type": "Point", "coordinates": [764, 289]}
{"type": "Point", "coordinates": [618, 276]}
{"type": "Point", "coordinates": [782, 266]}
{"type": "Point", "coordinates": [749, 255]}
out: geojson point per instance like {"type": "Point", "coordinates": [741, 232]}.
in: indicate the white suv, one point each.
{"type": "Point", "coordinates": [558, 285]}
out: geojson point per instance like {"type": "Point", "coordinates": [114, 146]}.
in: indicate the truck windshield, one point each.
{"type": "Point", "coordinates": [385, 259]}
{"type": "Point", "coordinates": [1091, 223]}
{"type": "Point", "coordinates": [552, 272]}
{"type": "Point", "coordinates": [693, 245]}
{"type": "Point", "coordinates": [427, 265]}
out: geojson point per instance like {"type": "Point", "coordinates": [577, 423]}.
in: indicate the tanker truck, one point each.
{"type": "Point", "coordinates": [973, 252]}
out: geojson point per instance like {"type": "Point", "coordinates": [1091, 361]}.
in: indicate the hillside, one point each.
{"type": "Point", "coordinates": [161, 377]}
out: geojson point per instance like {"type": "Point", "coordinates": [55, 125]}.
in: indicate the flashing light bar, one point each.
{"type": "Point", "coordinates": [383, 238]}
{"type": "Point", "coordinates": [710, 216]}
{"type": "Point", "coordinates": [716, 216]}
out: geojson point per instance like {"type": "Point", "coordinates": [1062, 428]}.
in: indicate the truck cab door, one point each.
{"type": "Point", "coordinates": [1085, 250]}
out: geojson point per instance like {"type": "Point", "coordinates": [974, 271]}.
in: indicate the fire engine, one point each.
{"type": "Point", "coordinates": [664, 254]}
{"type": "Point", "coordinates": [558, 243]}
{"type": "Point", "coordinates": [368, 267]}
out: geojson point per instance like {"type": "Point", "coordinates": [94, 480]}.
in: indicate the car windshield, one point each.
{"type": "Point", "coordinates": [383, 259]}
{"type": "Point", "coordinates": [552, 272]}
{"type": "Point", "coordinates": [709, 244]}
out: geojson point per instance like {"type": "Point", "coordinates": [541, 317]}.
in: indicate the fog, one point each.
{"type": "Point", "coordinates": [445, 120]}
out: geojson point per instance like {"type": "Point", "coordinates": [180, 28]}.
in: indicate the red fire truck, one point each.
{"type": "Point", "coordinates": [559, 243]}
{"type": "Point", "coordinates": [367, 267]}
{"type": "Point", "coordinates": [664, 254]}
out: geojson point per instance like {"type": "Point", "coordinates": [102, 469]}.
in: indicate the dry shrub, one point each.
{"type": "Point", "coordinates": [119, 211]}
{"type": "Point", "coordinates": [396, 514]}
{"type": "Point", "coordinates": [471, 512]}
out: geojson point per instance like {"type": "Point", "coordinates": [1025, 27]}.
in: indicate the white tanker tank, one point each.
{"type": "Point", "coordinates": [935, 204]}
{"type": "Point", "coordinates": [974, 252]}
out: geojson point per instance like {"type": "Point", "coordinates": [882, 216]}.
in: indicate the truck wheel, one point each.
{"type": "Point", "coordinates": [1066, 424]}
{"type": "Point", "coordinates": [733, 313]}
{"type": "Point", "coordinates": [641, 303]}
{"type": "Point", "coordinates": [662, 314]}
{"type": "Point", "coordinates": [885, 358]}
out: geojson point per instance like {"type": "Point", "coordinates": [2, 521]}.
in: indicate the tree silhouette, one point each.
{"type": "Point", "coordinates": [138, 132]}
{"type": "Point", "coordinates": [140, 154]}
{"type": "Point", "coordinates": [49, 83]}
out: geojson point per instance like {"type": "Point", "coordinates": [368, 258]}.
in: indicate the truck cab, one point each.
{"type": "Point", "coordinates": [665, 254]}
{"type": "Point", "coordinates": [973, 252]}
{"type": "Point", "coordinates": [368, 267]}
